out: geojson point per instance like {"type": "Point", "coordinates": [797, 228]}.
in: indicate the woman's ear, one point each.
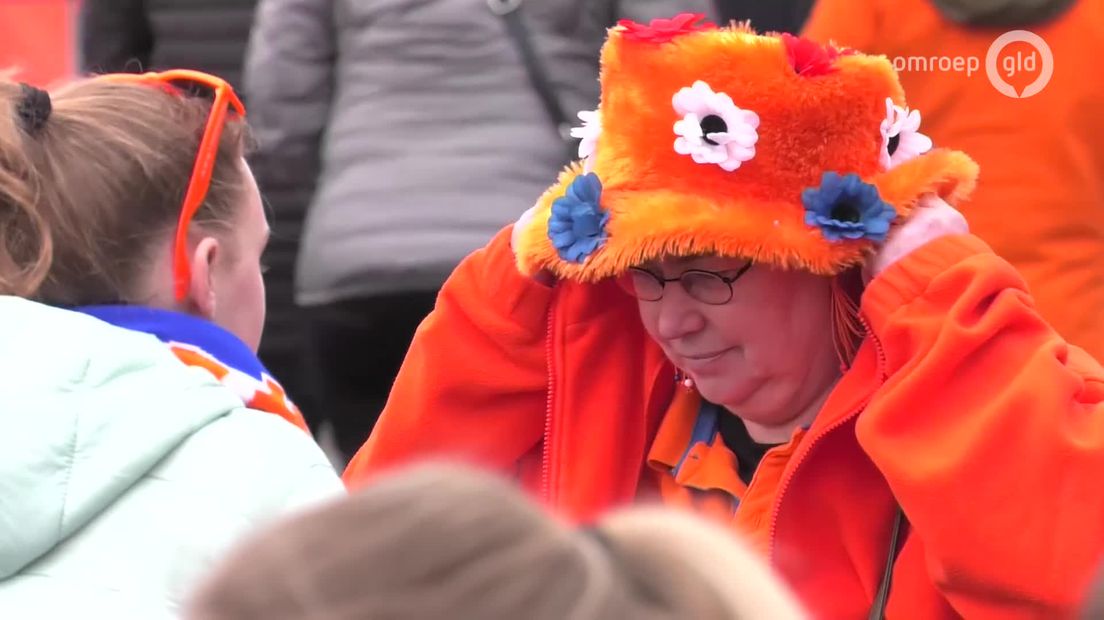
{"type": "Point", "coordinates": [201, 289]}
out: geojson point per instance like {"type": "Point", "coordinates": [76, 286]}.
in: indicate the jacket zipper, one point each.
{"type": "Point", "coordinates": [546, 457]}
{"type": "Point", "coordinates": [877, 345]}
{"type": "Point", "coordinates": [784, 485]}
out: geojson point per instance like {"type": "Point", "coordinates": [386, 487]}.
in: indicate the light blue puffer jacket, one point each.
{"type": "Point", "coordinates": [125, 475]}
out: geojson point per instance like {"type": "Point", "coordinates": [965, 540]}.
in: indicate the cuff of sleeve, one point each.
{"type": "Point", "coordinates": [520, 297]}
{"type": "Point", "coordinates": [908, 278]}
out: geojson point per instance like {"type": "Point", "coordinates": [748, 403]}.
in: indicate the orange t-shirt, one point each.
{"type": "Point", "coordinates": [695, 469]}
{"type": "Point", "coordinates": [1040, 195]}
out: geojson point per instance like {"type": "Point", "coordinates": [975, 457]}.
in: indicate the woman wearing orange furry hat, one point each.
{"type": "Point", "coordinates": [813, 348]}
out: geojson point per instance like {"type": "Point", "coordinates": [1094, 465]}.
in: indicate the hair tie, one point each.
{"type": "Point", "coordinates": [34, 108]}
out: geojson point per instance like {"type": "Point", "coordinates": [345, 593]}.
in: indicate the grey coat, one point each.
{"type": "Point", "coordinates": [421, 123]}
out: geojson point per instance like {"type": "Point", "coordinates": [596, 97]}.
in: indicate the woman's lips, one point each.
{"type": "Point", "coordinates": [703, 356]}
{"type": "Point", "coordinates": [701, 361]}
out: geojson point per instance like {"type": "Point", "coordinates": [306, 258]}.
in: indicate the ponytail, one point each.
{"type": "Point", "coordinates": [26, 246]}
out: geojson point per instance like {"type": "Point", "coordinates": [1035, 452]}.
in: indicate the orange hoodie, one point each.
{"type": "Point", "coordinates": [1040, 199]}
{"type": "Point", "coordinates": [962, 406]}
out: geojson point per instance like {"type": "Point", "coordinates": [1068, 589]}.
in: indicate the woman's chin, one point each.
{"type": "Point", "coordinates": [725, 392]}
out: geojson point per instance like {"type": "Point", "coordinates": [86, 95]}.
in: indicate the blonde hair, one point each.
{"type": "Point", "coordinates": [436, 542]}
{"type": "Point", "coordinates": [85, 195]}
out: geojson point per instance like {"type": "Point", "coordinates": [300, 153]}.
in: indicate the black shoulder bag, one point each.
{"type": "Point", "coordinates": [877, 610]}
{"type": "Point", "coordinates": [510, 12]}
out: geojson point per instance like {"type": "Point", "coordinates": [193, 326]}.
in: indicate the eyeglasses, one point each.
{"type": "Point", "coordinates": [708, 287]}
{"type": "Point", "coordinates": [196, 83]}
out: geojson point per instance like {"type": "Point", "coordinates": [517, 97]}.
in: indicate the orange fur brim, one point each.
{"type": "Point", "coordinates": [652, 224]}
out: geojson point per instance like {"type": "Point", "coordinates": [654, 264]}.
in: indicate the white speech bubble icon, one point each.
{"type": "Point", "coordinates": [1016, 36]}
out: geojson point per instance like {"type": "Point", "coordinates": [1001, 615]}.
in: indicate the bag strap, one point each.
{"type": "Point", "coordinates": [510, 12]}
{"type": "Point", "coordinates": [877, 610]}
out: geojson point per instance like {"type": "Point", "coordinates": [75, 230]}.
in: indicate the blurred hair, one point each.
{"type": "Point", "coordinates": [84, 197]}
{"type": "Point", "coordinates": [438, 542]}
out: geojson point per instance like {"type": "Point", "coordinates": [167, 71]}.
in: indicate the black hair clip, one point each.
{"type": "Point", "coordinates": [34, 108]}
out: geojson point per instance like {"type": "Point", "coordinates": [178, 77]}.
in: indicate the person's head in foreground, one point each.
{"type": "Point", "coordinates": [132, 190]}
{"type": "Point", "coordinates": [736, 234]}
{"type": "Point", "coordinates": [443, 542]}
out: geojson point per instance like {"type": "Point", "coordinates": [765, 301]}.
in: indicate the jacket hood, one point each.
{"type": "Point", "coordinates": [87, 410]}
{"type": "Point", "coordinates": [1002, 13]}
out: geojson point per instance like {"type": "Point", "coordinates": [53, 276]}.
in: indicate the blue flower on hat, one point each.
{"type": "Point", "coordinates": [846, 207]}
{"type": "Point", "coordinates": [577, 226]}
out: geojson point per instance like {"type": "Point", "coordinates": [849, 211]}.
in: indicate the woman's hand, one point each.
{"type": "Point", "coordinates": [520, 225]}
{"type": "Point", "coordinates": [933, 218]}
{"type": "Point", "coordinates": [542, 276]}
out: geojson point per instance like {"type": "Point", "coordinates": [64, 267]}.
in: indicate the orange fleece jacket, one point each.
{"type": "Point", "coordinates": [963, 407]}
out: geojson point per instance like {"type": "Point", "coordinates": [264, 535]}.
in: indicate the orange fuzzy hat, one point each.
{"type": "Point", "coordinates": [722, 141]}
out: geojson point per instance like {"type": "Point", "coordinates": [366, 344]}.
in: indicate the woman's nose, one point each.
{"type": "Point", "coordinates": [679, 314]}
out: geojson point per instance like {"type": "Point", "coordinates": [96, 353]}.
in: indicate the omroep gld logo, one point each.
{"type": "Point", "coordinates": [1003, 70]}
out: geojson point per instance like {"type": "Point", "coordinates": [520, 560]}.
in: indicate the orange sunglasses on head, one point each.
{"type": "Point", "coordinates": [200, 181]}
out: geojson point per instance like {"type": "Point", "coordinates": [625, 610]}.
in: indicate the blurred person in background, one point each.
{"type": "Point", "coordinates": [754, 298]}
{"type": "Point", "coordinates": [1040, 202]}
{"type": "Point", "coordinates": [777, 15]}
{"type": "Point", "coordinates": [142, 436]}
{"type": "Point", "coordinates": [211, 36]}
{"type": "Point", "coordinates": [441, 542]}
{"type": "Point", "coordinates": [425, 125]}
{"type": "Point", "coordinates": [143, 35]}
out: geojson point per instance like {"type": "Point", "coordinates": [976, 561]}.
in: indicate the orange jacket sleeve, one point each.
{"type": "Point", "coordinates": [473, 384]}
{"type": "Point", "coordinates": [847, 23]}
{"type": "Point", "coordinates": [990, 432]}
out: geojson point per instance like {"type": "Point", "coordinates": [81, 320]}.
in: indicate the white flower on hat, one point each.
{"type": "Point", "coordinates": [901, 137]}
{"type": "Point", "coordinates": [713, 130]}
{"type": "Point", "coordinates": [588, 134]}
